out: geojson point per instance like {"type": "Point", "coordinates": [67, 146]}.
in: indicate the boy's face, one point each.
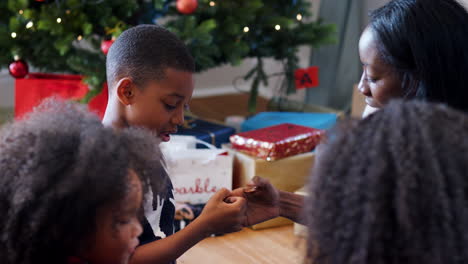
{"type": "Point", "coordinates": [160, 105]}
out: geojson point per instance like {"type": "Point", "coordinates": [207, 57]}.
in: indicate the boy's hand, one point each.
{"type": "Point", "coordinates": [218, 216]}
{"type": "Point", "coordinates": [262, 200]}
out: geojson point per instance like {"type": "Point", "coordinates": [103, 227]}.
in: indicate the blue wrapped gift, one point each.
{"type": "Point", "coordinates": [314, 120]}
{"type": "Point", "coordinates": [213, 133]}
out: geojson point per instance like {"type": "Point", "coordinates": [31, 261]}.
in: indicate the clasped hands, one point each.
{"type": "Point", "coordinates": [262, 201]}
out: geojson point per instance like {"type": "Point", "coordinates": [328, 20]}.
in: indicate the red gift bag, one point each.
{"type": "Point", "coordinates": [32, 90]}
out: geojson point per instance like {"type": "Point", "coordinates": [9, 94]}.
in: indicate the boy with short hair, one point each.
{"type": "Point", "coordinates": [149, 74]}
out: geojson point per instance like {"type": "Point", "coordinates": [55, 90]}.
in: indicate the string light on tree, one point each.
{"type": "Point", "coordinates": [299, 17]}
{"type": "Point", "coordinates": [75, 24]}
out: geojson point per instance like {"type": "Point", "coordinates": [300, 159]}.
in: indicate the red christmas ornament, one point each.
{"type": "Point", "coordinates": [187, 6]}
{"type": "Point", "coordinates": [105, 46]}
{"type": "Point", "coordinates": [19, 69]}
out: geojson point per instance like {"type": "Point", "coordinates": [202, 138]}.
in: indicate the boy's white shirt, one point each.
{"type": "Point", "coordinates": [154, 216]}
{"type": "Point", "coordinates": [369, 110]}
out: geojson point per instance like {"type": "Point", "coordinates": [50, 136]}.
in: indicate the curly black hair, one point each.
{"type": "Point", "coordinates": [58, 166]}
{"type": "Point", "coordinates": [392, 188]}
{"type": "Point", "coordinates": [144, 52]}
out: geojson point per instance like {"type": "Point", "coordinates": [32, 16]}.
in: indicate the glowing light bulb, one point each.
{"type": "Point", "coordinates": [79, 38]}
{"type": "Point", "coordinates": [21, 12]}
{"type": "Point", "coordinates": [277, 27]}
{"type": "Point", "coordinates": [13, 34]}
{"type": "Point", "coordinates": [30, 24]}
{"type": "Point", "coordinates": [212, 3]}
{"type": "Point", "coordinates": [299, 17]}
{"type": "Point", "coordinates": [246, 29]}
{"type": "Point", "coordinates": [59, 20]}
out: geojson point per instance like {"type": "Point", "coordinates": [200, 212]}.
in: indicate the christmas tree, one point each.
{"type": "Point", "coordinates": [73, 35]}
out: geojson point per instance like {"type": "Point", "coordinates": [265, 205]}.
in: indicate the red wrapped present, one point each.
{"type": "Point", "coordinates": [32, 90]}
{"type": "Point", "coordinates": [276, 142]}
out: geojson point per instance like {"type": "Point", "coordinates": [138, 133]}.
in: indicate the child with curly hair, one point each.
{"type": "Point", "coordinates": [71, 190]}
{"type": "Point", "coordinates": [392, 189]}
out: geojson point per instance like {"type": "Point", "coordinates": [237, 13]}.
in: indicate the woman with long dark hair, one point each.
{"type": "Point", "coordinates": [416, 49]}
{"type": "Point", "coordinates": [411, 49]}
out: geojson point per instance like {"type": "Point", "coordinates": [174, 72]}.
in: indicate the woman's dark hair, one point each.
{"type": "Point", "coordinates": [392, 188]}
{"type": "Point", "coordinates": [58, 167]}
{"type": "Point", "coordinates": [425, 41]}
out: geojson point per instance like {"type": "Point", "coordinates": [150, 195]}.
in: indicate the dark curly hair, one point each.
{"type": "Point", "coordinates": [58, 166]}
{"type": "Point", "coordinates": [392, 189]}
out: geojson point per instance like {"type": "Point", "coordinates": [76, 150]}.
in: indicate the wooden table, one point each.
{"type": "Point", "coordinates": [273, 245]}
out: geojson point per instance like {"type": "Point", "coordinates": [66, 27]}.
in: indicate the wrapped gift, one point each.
{"type": "Point", "coordinates": [314, 120]}
{"type": "Point", "coordinates": [276, 142]}
{"type": "Point", "coordinates": [288, 174]}
{"type": "Point", "coordinates": [196, 174]}
{"type": "Point", "coordinates": [32, 90]}
{"type": "Point", "coordinates": [210, 132]}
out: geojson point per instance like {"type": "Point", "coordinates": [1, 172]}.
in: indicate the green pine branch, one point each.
{"type": "Point", "coordinates": [66, 37]}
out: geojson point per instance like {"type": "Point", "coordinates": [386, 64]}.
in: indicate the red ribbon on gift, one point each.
{"type": "Point", "coordinates": [307, 77]}
{"type": "Point", "coordinates": [32, 90]}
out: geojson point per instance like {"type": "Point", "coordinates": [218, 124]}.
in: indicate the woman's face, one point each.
{"type": "Point", "coordinates": [379, 81]}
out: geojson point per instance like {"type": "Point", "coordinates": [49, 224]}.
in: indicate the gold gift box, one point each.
{"type": "Point", "coordinates": [288, 174]}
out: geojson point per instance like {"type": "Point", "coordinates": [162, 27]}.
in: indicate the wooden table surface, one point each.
{"type": "Point", "coordinates": [273, 245]}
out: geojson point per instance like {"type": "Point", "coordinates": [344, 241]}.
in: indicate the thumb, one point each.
{"type": "Point", "coordinates": [258, 181]}
{"type": "Point", "coordinates": [221, 194]}
{"type": "Point", "coordinates": [234, 199]}
{"type": "Point", "coordinates": [230, 199]}
{"type": "Point", "coordinates": [253, 181]}
{"type": "Point", "coordinates": [239, 201]}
